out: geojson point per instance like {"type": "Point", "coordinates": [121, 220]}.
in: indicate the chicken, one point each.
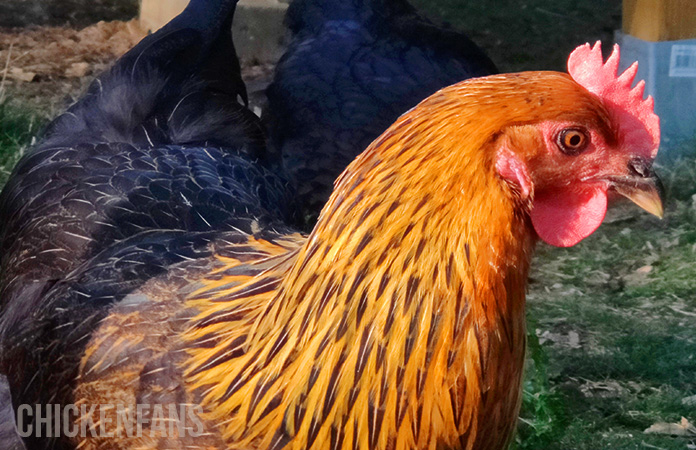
{"type": "Point", "coordinates": [352, 68]}
{"type": "Point", "coordinates": [399, 322]}
{"type": "Point", "coordinates": [160, 143]}
{"type": "Point", "coordinates": [150, 256]}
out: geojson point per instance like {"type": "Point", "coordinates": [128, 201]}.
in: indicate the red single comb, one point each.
{"type": "Point", "coordinates": [640, 126]}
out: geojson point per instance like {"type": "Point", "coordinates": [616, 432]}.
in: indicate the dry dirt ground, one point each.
{"type": "Point", "coordinates": [42, 66]}
{"type": "Point", "coordinates": [45, 68]}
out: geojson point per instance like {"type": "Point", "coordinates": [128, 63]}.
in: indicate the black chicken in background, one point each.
{"type": "Point", "coordinates": [158, 142]}
{"type": "Point", "coordinates": [162, 163]}
{"type": "Point", "coordinates": [141, 173]}
{"type": "Point", "coordinates": [352, 68]}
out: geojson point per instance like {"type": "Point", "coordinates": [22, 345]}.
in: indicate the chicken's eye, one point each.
{"type": "Point", "coordinates": [572, 141]}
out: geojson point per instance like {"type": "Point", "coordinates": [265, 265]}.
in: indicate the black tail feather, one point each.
{"type": "Point", "coordinates": [199, 41]}
{"type": "Point", "coordinates": [188, 68]}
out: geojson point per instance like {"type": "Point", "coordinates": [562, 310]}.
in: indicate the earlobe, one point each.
{"type": "Point", "coordinates": [511, 168]}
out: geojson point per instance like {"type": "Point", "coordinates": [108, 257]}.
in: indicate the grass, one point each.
{"type": "Point", "coordinates": [17, 127]}
{"type": "Point", "coordinates": [612, 329]}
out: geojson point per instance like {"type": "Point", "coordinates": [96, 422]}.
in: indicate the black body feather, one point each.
{"type": "Point", "coordinates": [352, 68]}
{"type": "Point", "coordinates": [140, 174]}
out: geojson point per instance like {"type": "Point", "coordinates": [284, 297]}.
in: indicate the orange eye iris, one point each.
{"type": "Point", "coordinates": [572, 141]}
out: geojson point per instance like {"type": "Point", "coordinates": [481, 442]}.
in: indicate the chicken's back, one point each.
{"type": "Point", "coordinates": [352, 68]}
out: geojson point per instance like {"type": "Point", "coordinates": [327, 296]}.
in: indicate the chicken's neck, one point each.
{"type": "Point", "coordinates": [401, 322]}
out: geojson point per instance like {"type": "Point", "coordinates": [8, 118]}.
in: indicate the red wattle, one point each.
{"type": "Point", "coordinates": [564, 218]}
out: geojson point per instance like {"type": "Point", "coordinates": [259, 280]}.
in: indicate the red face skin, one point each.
{"type": "Point", "coordinates": [567, 214]}
{"type": "Point", "coordinates": [568, 187]}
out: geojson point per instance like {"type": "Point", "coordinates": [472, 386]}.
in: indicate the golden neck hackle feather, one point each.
{"type": "Point", "coordinates": [399, 323]}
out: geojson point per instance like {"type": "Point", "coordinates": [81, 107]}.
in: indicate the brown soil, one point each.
{"type": "Point", "coordinates": [41, 66]}
{"type": "Point", "coordinates": [45, 68]}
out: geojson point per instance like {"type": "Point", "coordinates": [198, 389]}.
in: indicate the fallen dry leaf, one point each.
{"type": "Point", "coordinates": [571, 339]}
{"type": "Point", "coordinates": [638, 277]}
{"type": "Point", "coordinates": [644, 269]}
{"type": "Point", "coordinates": [689, 401]}
{"type": "Point", "coordinates": [646, 445]}
{"type": "Point", "coordinates": [76, 70]}
{"type": "Point", "coordinates": [681, 311]}
{"type": "Point", "coordinates": [683, 428]}
{"type": "Point", "coordinates": [16, 73]}
{"type": "Point", "coordinates": [602, 389]}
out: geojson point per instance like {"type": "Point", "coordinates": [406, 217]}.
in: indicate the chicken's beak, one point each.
{"type": "Point", "coordinates": [642, 186]}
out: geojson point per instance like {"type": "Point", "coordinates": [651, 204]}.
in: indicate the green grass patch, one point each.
{"type": "Point", "coordinates": [17, 127]}
{"type": "Point", "coordinates": [612, 346]}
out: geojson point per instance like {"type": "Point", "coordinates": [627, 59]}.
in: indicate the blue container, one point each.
{"type": "Point", "coordinates": [669, 71]}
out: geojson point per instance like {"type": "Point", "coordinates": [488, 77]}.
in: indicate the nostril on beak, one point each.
{"type": "Point", "coordinates": [640, 166]}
